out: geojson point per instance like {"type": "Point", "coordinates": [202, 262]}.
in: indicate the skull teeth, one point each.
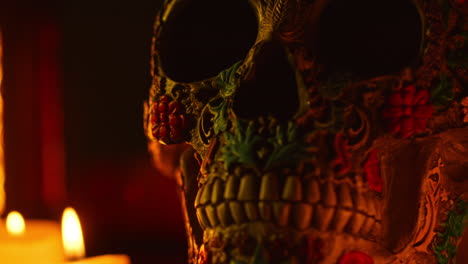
{"type": "Point", "coordinates": [265, 210]}
{"type": "Point", "coordinates": [292, 189]}
{"type": "Point", "coordinates": [345, 198]}
{"type": "Point", "coordinates": [211, 214]}
{"type": "Point", "coordinates": [251, 210]}
{"type": "Point", "coordinates": [302, 214]}
{"type": "Point", "coordinates": [313, 191]}
{"type": "Point", "coordinates": [356, 222]}
{"type": "Point", "coordinates": [269, 188]}
{"type": "Point", "coordinates": [329, 194]}
{"type": "Point", "coordinates": [323, 217]}
{"type": "Point", "coordinates": [248, 188]}
{"type": "Point", "coordinates": [217, 192]}
{"type": "Point", "coordinates": [224, 214]}
{"type": "Point", "coordinates": [237, 212]}
{"type": "Point", "coordinates": [341, 219]}
{"type": "Point", "coordinates": [281, 210]}
{"type": "Point", "coordinates": [299, 203]}
{"type": "Point", "coordinates": [231, 188]}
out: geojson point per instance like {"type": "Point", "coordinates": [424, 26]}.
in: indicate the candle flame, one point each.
{"type": "Point", "coordinates": [15, 224]}
{"type": "Point", "coordinates": [72, 236]}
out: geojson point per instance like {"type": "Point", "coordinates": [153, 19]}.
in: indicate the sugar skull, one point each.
{"type": "Point", "coordinates": [320, 131]}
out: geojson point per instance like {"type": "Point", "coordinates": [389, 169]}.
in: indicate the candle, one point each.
{"type": "Point", "coordinates": [104, 259]}
{"type": "Point", "coordinates": [73, 243]}
{"type": "Point", "coordinates": [31, 241]}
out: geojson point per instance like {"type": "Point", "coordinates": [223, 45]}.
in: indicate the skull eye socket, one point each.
{"type": "Point", "coordinates": [202, 38]}
{"type": "Point", "coordinates": [369, 38]}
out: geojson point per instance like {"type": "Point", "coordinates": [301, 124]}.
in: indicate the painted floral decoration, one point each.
{"type": "Point", "coordinates": [342, 161]}
{"type": "Point", "coordinates": [356, 257]}
{"type": "Point", "coordinates": [408, 111]}
{"type": "Point", "coordinates": [167, 120]}
{"type": "Point", "coordinates": [372, 171]}
{"type": "Point", "coordinates": [464, 102]}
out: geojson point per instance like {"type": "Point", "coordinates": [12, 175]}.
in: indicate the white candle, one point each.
{"type": "Point", "coordinates": [104, 259]}
{"type": "Point", "coordinates": [38, 243]}
{"type": "Point", "coordinates": [41, 242]}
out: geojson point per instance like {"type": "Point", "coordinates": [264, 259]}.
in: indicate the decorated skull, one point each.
{"type": "Point", "coordinates": [321, 131]}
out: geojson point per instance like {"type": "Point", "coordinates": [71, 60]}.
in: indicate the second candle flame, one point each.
{"type": "Point", "coordinates": [72, 235]}
{"type": "Point", "coordinates": [15, 224]}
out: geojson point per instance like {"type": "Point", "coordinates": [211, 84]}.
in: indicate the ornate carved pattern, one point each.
{"type": "Point", "coordinates": [319, 186]}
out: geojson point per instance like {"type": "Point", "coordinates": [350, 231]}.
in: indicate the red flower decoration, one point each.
{"type": "Point", "coordinates": [408, 111]}
{"type": "Point", "coordinates": [341, 163]}
{"type": "Point", "coordinates": [372, 171]}
{"type": "Point", "coordinates": [356, 257]}
{"type": "Point", "coordinates": [167, 121]}
{"type": "Point", "coordinates": [203, 256]}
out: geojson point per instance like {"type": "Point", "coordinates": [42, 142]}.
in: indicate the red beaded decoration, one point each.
{"type": "Point", "coordinates": [167, 120]}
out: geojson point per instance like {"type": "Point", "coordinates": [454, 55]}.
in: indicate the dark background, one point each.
{"type": "Point", "coordinates": [106, 51]}
{"type": "Point", "coordinates": [76, 75]}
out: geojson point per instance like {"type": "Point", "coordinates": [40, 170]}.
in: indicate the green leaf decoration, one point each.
{"type": "Point", "coordinates": [227, 80]}
{"type": "Point", "coordinates": [244, 145]}
{"type": "Point", "coordinates": [241, 145]}
{"type": "Point", "coordinates": [219, 112]}
{"type": "Point", "coordinates": [445, 246]}
{"type": "Point", "coordinates": [442, 94]}
{"type": "Point", "coordinates": [286, 147]}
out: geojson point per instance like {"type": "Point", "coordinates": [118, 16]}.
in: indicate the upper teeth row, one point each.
{"type": "Point", "coordinates": [304, 203]}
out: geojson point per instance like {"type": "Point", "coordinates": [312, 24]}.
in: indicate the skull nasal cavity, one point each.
{"type": "Point", "coordinates": [272, 90]}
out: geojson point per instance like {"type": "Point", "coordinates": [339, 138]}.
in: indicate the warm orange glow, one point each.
{"type": "Point", "coordinates": [15, 224]}
{"type": "Point", "coordinates": [72, 235]}
{"type": "Point", "coordinates": [2, 163]}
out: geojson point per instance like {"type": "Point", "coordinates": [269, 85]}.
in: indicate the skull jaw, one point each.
{"type": "Point", "coordinates": [257, 242]}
